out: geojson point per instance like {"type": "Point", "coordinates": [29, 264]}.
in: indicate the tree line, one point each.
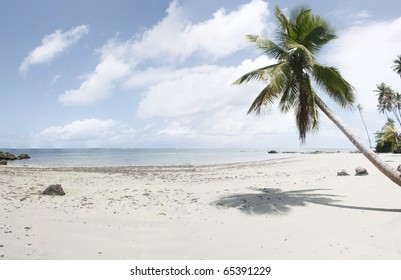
{"type": "Point", "coordinates": [389, 103]}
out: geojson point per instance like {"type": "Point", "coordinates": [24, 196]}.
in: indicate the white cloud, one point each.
{"type": "Point", "coordinates": [202, 89]}
{"type": "Point", "coordinates": [174, 39]}
{"type": "Point", "coordinates": [203, 108]}
{"type": "Point", "coordinates": [230, 127]}
{"type": "Point", "coordinates": [175, 128]}
{"type": "Point", "coordinates": [364, 54]}
{"type": "Point", "coordinates": [52, 46]}
{"type": "Point", "coordinates": [99, 84]}
{"type": "Point", "coordinates": [89, 132]}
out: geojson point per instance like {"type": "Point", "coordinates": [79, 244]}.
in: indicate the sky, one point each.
{"type": "Point", "coordinates": [158, 73]}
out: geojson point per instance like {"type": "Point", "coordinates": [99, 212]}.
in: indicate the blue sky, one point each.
{"type": "Point", "coordinates": [153, 73]}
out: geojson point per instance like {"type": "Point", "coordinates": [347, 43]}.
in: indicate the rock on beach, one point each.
{"type": "Point", "coordinates": [6, 156]}
{"type": "Point", "coordinates": [24, 156]}
{"type": "Point", "coordinates": [54, 190]}
{"type": "Point", "coordinates": [342, 173]}
{"type": "Point", "coordinates": [360, 171]}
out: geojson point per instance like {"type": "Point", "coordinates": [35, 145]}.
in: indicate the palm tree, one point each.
{"type": "Point", "coordinates": [360, 109]}
{"type": "Point", "coordinates": [397, 65]}
{"type": "Point", "coordinates": [289, 80]}
{"type": "Point", "coordinates": [389, 101]}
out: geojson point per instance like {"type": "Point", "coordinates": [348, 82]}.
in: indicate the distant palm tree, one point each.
{"type": "Point", "coordinates": [360, 109]}
{"type": "Point", "coordinates": [289, 79]}
{"type": "Point", "coordinates": [389, 101]}
{"type": "Point", "coordinates": [397, 65]}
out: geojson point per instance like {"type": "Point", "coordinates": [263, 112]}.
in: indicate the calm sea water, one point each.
{"type": "Point", "coordinates": [139, 157]}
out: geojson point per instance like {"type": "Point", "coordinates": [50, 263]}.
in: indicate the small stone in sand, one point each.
{"type": "Point", "coordinates": [360, 171]}
{"type": "Point", "coordinates": [342, 173]}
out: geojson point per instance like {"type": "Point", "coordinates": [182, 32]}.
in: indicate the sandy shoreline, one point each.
{"type": "Point", "coordinates": [293, 208]}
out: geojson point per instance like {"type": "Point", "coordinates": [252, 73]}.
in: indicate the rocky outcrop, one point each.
{"type": "Point", "coordinates": [24, 156]}
{"type": "Point", "coordinates": [3, 162]}
{"type": "Point", "coordinates": [7, 156]}
{"type": "Point", "coordinates": [399, 168]}
{"type": "Point", "coordinates": [360, 171]}
{"type": "Point", "coordinates": [54, 190]}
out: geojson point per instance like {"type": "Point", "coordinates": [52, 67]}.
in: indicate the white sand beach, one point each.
{"type": "Point", "coordinates": [294, 208]}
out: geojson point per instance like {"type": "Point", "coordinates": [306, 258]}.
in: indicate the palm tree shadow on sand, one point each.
{"type": "Point", "coordinates": [276, 201]}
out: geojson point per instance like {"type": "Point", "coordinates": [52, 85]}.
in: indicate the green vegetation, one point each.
{"type": "Point", "coordinates": [389, 103]}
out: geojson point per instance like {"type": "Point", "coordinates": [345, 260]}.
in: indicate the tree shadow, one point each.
{"type": "Point", "coordinates": [275, 201]}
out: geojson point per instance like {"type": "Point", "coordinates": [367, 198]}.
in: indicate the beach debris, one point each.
{"type": "Point", "coordinates": [342, 173]}
{"type": "Point", "coordinates": [399, 168]}
{"type": "Point", "coordinates": [3, 162]}
{"type": "Point", "coordinates": [360, 171]}
{"type": "Point", "coordinates": [54, 190]}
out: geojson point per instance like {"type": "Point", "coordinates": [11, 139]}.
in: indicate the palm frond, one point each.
{"type": "Point", "coordinates": [267, 46]}
{"type": "Point", "coordinates": [266, 98]}
{"type": "Point", "coordinates": [300, 17]}
{"type": "Point", "coordinates": [290, 93]}
{"type": "Point", "coordinates": [318, 36]}
{"type": "Point", "coordinates": [330, 79]}
{"type": "Point", "coordinates": [284, 29]}
{"type": "Point", "coordinates": [255, 75]}
{"type": "Point", "coordinates": [277, 81]}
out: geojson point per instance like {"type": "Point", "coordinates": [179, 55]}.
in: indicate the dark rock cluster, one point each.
{"type": "Point", "coordinates": [359, 171]}
{"type": "Point", "coordinates": [6, 156]}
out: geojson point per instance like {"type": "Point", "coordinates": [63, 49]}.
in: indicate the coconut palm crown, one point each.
{"type": "Point", "coordinates": [289, 81]}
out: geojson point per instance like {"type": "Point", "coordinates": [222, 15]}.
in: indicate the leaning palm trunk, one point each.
{"type": "Point", "coordinates": [387, 170]}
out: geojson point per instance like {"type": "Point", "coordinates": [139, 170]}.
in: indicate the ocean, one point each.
{"type": "Point", "coordinates": [139, 157]}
